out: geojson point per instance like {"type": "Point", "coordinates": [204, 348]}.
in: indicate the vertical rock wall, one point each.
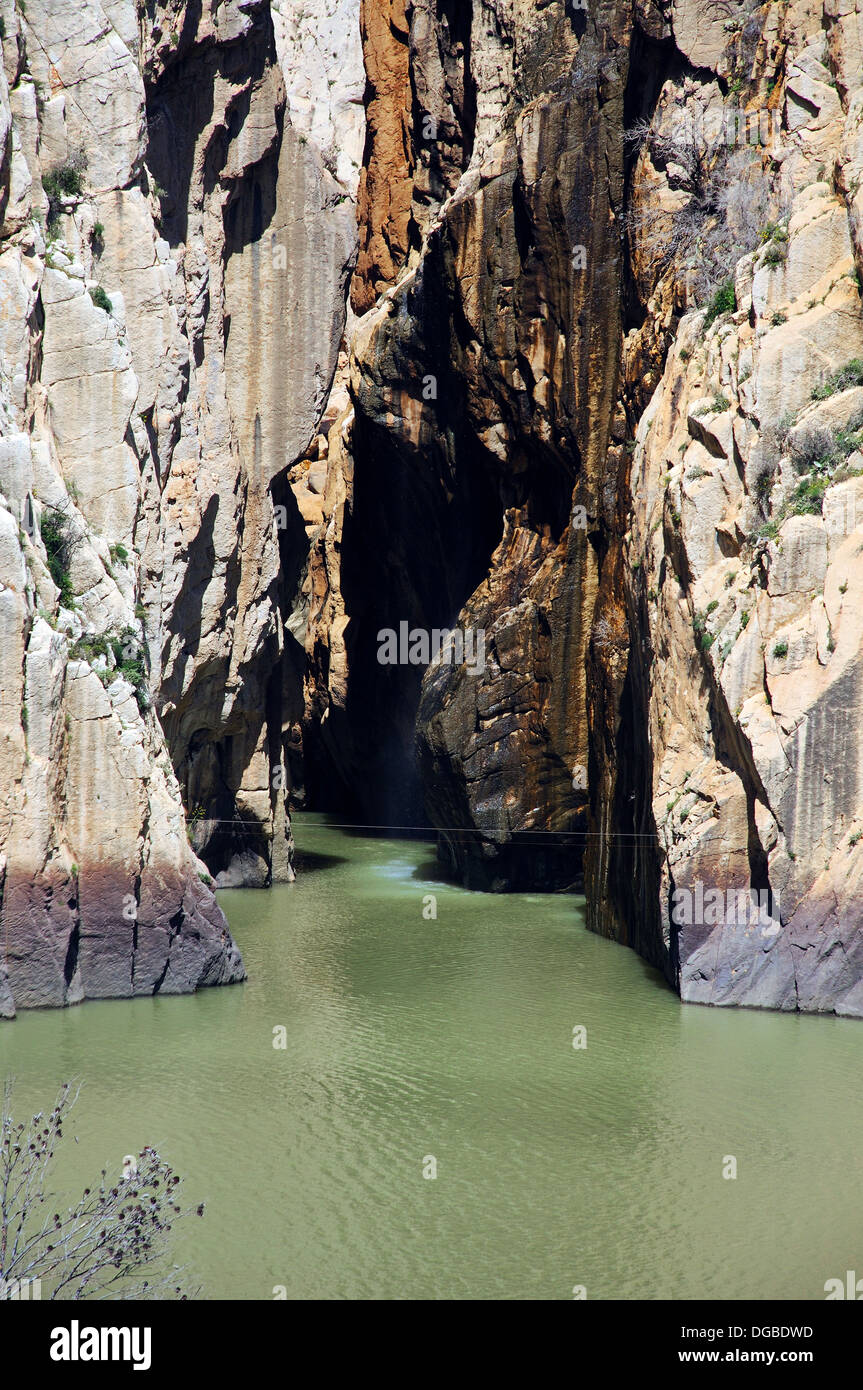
{"type": "Point", "coordinates": [174, 263]}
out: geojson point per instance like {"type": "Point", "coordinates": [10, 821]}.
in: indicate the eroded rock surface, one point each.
{"type": "Point", "coordinates": [637, 501]}
{"type": "Point", "coordinates": [726, 707]}
{"type": "Point", "coordinates": [173, 271]}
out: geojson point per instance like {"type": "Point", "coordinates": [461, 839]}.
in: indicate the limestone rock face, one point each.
{"type": "Point", "coordinates": [725, 706]}
{"type": "Point", "coordinates": [474, 383]}
{"type": "Point", "coordinates": [320, 54]}
{"type": "Point", "coordinates": [650, 511]}
{"type": "Point", "coordinates": [385, 179]}
{"type": "Point", "coordinates": [171, 308]}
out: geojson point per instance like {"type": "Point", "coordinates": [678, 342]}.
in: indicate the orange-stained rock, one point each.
{"type": "Point", "coordinates": [386, 187]}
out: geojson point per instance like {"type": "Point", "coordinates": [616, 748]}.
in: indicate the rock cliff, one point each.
{"type": "Point", "coordinates": [175, 255]}
{"type": "Point", "coordinates": [604, 406]}
{"type": "Point", "coordinates": [537, 321]}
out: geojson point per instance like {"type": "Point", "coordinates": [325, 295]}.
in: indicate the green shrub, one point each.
{"type": "Point", "coordinates": [808, 496]}
{"type": "Point", "coordinates": [101, 300]}
{"type": "Point", "coordinates": [703, 638]}
{"type": "Point", "coordinates": [849, 375]}
{"type": "Point", "coordinates": [119, 552]}
{"type": "Point", "coordinates": [63, 181]}
{"type": "Point", "coordinates": [56, 536]}
{"type": "Point", "coordinates": [723, 302]}
{"type": "Point", "coordinates": [774, 231]}
{"type": "Point", "coordinates": [129, 660]}
{"type": "Point", "coordinates": [131, 664]}
{"type": "Point", "coordinates": [780, 650]}
{"type": "Point", "coordinates": [847, 441]}
{"type": "Point", "coordinates": [774, 255]}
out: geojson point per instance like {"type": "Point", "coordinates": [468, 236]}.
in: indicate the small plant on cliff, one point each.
{"type": "Point", "coordinates": [126, 658]}
{"type": "Point", "coordinates": [723, 302]}
{"type": "Point", "coordinates": [102, 1246]}
{"type": "Point", "coordinates": [119, 552]}
{"type": "Point", "coordinates": [849, 375]}
{"type": "Point", "coordinates": [63, 181]}
{"type": "Point", "coordinates": [729, 201]}
{"type": "Point", "coordinates": [59, 541]}
{"type": "Point", "coordinates": [101, 300]}
{"type": "Point", "coordinates": [808, 497]}
{"type": "Point", "coordinates": [130, 657]}
{"type": "Point", "coordinates": [763, 487]}
{"type": "Point", "coordinates": [780, 650]}
{"type": "Point", "coordinates": [704, 639]}
{"type": "Point", "coordinates": [89, 649]}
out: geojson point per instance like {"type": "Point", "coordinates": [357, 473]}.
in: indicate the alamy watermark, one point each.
{"type": "Point", "coordinates": [703, 906]}
{"type": "Point", "coordinates": [419, 646]}
{"type": "Point", "coordinates": [20, 1290]}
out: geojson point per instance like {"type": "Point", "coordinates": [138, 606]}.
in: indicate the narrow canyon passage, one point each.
{"type": "Point", "coordinates": [431, 647]}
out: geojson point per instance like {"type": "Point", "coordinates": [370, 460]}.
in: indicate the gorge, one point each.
{"type": "Point", "coordinates": [510, 317]}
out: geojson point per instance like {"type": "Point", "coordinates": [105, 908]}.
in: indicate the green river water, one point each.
{"type": "Point", "coordinates": [452, 1038]}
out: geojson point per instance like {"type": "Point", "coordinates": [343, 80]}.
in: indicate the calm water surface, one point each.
{"type": "Point", "coordinates": [452, 1038]}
